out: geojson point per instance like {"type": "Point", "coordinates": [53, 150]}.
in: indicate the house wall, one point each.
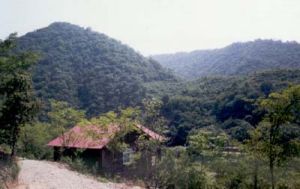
{"type": "Point", "coordinates": [111, 162]}
{"type": "Point", "coordinates": [92, 157]}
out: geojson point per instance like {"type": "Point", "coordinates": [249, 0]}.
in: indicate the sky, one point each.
{"type": "Point", "coordinates": [161, 26]}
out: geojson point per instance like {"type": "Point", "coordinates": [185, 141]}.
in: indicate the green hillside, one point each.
{"type": "Point", "coordinates": [222, 128]}
{"type": "Point", "coordinates": [89, 70]}
{"type": "Point", "coordinates": [228, 103]}
{"type": "Point", "coordinates": [235, 59]}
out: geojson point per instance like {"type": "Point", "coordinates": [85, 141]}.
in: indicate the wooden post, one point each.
{"type": "Point", "coordinates": [56, 154]}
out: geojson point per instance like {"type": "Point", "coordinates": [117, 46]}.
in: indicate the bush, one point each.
{"type": "Point", "coordinates": [76, 164]}
{"type": "Point", "coordinates": [33, 140]}
{"type": "Point", "coordinates": [9, 171]}
{"type": "Point", "coordinates": [176, 170]}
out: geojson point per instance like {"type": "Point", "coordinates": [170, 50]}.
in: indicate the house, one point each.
{"type": "Point", "coordinates": [93, 142]}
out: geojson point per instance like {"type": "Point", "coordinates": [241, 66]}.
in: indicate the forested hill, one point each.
{"type": "Point", "coordinates": [235, 59]}
{"type": "Point", "coordinates": [229, 103]}
{"type": "Point", "coordinates": [88, 69]}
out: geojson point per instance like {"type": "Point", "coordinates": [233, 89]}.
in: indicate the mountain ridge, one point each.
{"type": "Point", "coordinates": [236, 59]}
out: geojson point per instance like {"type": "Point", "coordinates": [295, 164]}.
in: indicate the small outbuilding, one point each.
{"type": "Point", "coordinates": [93, 142]}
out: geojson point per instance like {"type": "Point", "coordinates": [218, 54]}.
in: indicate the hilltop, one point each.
{"type": "Point", "coordinates": [87, 69]}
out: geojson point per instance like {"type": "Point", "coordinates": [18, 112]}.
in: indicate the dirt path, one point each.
{"type": "Point", "coordinates": [49, 175]}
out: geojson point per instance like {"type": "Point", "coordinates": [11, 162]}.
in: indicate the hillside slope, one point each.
{"type": "Point", "coordinates": [229, 103]}
{"type": "Point", "coordinates": [235, 59]}
{"type": "Point", "coordinates": [87, 69]}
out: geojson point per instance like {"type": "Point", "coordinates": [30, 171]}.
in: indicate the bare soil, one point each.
{"type": "Point", "coordinates": [50, 175]}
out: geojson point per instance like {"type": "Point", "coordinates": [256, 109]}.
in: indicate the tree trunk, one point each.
{"type": "Point", "coordinates": [272, 174]}
{"type": "Point", "coordinates": [255, 179]}
{"type": "Point", "coordinates": [13, 150]}
{"type": "Point", "coordinates": [271, 157]}
{"type": "Point", "coordinates": [15, 134]}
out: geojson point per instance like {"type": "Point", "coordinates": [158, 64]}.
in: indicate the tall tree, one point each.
{"type": "Point", "coordinates": [282, 109]}
{"type": "Point", "coordinates": [18, 104]}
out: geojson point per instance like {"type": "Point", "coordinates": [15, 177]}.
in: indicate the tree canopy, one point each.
{"type": "Point", "coordinates": [89, 70]}
{"type": "Point", "coordinates": [18, 104]}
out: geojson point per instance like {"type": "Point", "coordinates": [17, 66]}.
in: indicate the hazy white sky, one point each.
{"type": "Point", "coordinates": [161, 26]}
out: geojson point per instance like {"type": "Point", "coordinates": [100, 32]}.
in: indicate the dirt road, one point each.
{"type": "Point", "coordinates": [49, 175]}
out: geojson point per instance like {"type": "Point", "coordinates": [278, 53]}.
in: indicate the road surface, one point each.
{"type": "Point", "coordinates": [50, 175]}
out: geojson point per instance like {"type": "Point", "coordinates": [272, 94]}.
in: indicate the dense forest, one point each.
{"type": "Point", "coordinates": [229, 103]}
{"type": "Point", "coordinates": [235, 59]}
{"type": "Point", "coordinates": [89, 70]}
{"type": "Point", "coordinates": [232, 122]}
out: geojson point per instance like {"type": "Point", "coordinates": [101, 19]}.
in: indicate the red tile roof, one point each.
{"type": "Point", "coordinates": [94, 137]}
{"type": "Point", "coordinates": [151, 133]}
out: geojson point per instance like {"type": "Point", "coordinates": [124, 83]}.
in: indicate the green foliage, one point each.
{"type": "Point", "coordinates": [205, 143]}
{"type": "Point", "coordinates": [76, 164]}
{"type": "Point", "coordinates": [89, 70]}
{"type": "Point", "coordinates": [282, 110]}
{"type": "Point", "coordinates": [238, 129]}
{"type": "Point", "coordinates": [9, 171]}
{"type": "Point", "coordinates": [230, 103]}
{"type": "Point", "coordinates": [35, 136]}
{"type": "Point", "coordinates": [235, 173]}
{"type": "Point", "coordinates": [82, 72]}
{"type": "Point", "coordinates": [63, 117]}
{"type": "Point", "coordinates": [18, 105]}
{"type": "Point", "coordinates": [33, 140]}
{"type": "Point", "coordinates": [152, 116]}
{"type": "Point", "coordinates": [235, 59]}
{"type": "Point", "coordinates": [126, 121]}
{"type": "Point", "coordinates": [176, 170]}
{"type": "Point", "coordinates": [272, 139]}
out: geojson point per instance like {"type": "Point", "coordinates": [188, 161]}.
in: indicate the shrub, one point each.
{"type": "Point", "coordinates": [33, 140]}
{"type": "Point", "coordinates": [9, 171]}
{"type": "Point", "coordinates": [76, 164]}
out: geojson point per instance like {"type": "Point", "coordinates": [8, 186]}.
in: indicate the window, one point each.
{"type": "Point", "coordinates": [153, 160]}
{"type": "Point", "coordinates": [128, 156]}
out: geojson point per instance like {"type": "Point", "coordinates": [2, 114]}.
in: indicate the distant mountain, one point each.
{"type": "Point", "coordinates": [235, 59]}
{"type": "Point", "coordinates": [88, 69]}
